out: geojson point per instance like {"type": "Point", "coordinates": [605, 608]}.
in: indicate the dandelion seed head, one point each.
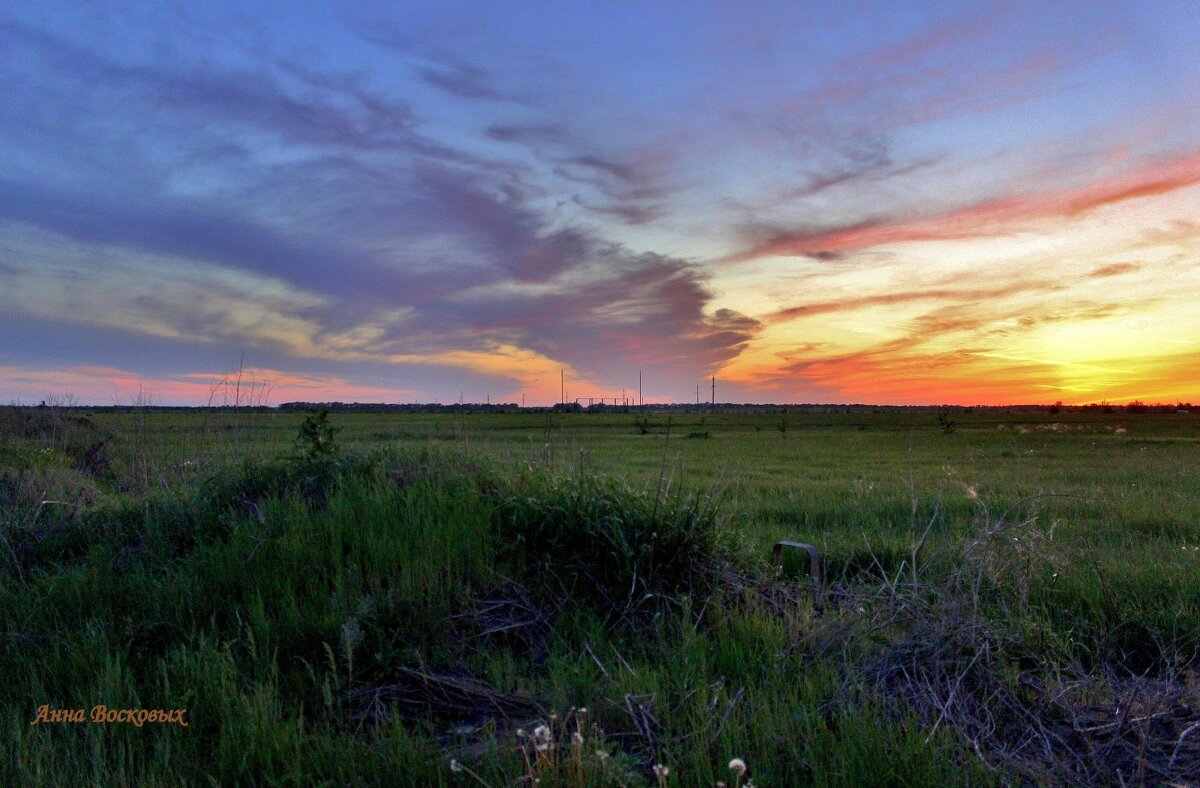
{"type": "Point", "coordinates": [737, 766]}
{"type": "Point", "coordinates": [661, 771]}
{"type": "Point", "coordinates": [455, 766]}
{"type": "Point", "coordinates": [577, 738]}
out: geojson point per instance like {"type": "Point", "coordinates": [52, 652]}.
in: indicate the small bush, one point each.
{"type": "Point", "coordinates": [947, 425]}
{"type": "Point", "coordinates": [317, 436]}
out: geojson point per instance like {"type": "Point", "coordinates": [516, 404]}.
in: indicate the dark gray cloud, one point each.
{"type": "Point", "coordinates": [528, 133]}
{"type": "Point", "coordinates": [462, 80]}
{"type": "Point", "coordinates": [636, 310]}
{"type": "Point", "coordinates": [628, 212]}
{"type": "Point", "coordinates": [613, 177]}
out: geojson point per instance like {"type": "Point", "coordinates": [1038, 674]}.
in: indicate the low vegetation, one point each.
{"type": "Point", "coordinates": [588, 599]}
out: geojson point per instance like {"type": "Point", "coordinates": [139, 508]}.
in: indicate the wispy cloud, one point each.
{"type": "Point", "coordinates": [983, 219]}
{"type": "Point", "coordinates": [297, 104]}
{"type": "Point", "coordinates": [938, 73]}
{"type": "Point", "coordinates": [434, 65]}
{"type": "Point", "coordinates": [903, 297]}
{"type": "Point", "coordinates": [1113, 269]}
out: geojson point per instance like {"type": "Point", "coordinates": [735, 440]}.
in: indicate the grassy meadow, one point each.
{"type": "Point", "coordinates": [589, 598]}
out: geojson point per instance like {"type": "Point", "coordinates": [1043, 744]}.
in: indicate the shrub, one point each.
{"type": "Point", "coordinates": [316, 436]}
{"type": "Point", "coordinates": [947, 425]}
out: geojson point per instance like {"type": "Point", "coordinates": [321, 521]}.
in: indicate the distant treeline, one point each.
{"type": "Point", "coordinates": [414, 407]}
{"type": "Point", "coordinates": [725, 407]}
{"type": "Point", "coordinates": [1136, 406]}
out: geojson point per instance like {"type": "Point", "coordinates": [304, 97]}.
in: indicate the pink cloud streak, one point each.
{"type": "Point", "coordinates": [983, 219]}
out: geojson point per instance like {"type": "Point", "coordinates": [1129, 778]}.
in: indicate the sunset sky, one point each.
{"type": "Point", "coordinates": [935, 202]}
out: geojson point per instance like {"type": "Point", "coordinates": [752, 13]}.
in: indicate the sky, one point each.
{"type": "Point", "coordinates": [908, 203]}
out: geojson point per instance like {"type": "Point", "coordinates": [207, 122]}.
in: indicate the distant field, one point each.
{"type": "Point", "coordinates": [1124, 485]}
{"type": "Point", "coordinates": [203, 559]}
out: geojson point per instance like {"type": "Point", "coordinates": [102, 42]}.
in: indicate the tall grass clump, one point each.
{"type": "Point", "coordinates": [600, 541]}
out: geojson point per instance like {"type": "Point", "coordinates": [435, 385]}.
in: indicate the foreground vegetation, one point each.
{"type": "Point", "coordinates": [581, 598]}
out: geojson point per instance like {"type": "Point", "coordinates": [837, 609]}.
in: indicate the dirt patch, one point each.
{"type": "Point", "coordinates": [508, 616]}
{"type": "Point", "coordinates": [455, 701]}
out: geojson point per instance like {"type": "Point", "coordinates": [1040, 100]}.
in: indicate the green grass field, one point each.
{"type": "Point", "coordinates": [1015, 601]}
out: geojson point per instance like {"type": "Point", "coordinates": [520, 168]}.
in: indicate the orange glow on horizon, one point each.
{"type": "Point", "coordinates": [1097, 305]}
{"type": "Point", "coordinates": [111, 386]}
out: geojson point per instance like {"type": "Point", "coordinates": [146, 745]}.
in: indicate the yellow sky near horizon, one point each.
{"type": "Point", "coordinates": [1100, 306]}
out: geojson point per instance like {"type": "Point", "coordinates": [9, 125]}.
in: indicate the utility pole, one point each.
{"type": "Point", "coordinates": [639, 387]}
{"type": "Point", "coordinates": [714, 394]}
{"type": "Point", "coordinates": [562, 386]}
{"type": "Point", "coordinates": [697, 393]}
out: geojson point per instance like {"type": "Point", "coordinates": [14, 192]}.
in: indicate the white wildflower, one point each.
{"type": "Point", "coordinates": [737, 766]}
